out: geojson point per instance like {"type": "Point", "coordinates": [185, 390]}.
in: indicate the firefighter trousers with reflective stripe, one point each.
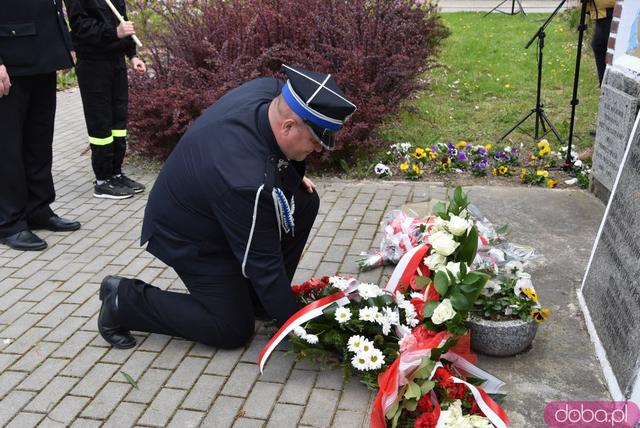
{"type": "Point", "coordinates": [104, 92]}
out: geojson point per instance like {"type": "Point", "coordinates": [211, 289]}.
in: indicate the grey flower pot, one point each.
{"type": "Point", "coordinates": [501, 338]}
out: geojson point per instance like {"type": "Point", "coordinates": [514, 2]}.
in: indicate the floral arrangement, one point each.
{"type": "Point", "coordinates": [367, 330]}
{"type": "Point", "coordinates": [510, 295]}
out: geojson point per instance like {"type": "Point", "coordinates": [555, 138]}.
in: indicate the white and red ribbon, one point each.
{"type": "Point", "coordinates": [406, 267]}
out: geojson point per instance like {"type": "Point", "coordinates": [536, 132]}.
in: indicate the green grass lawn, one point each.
{"type": "Point", "coordinates": [487, 82]}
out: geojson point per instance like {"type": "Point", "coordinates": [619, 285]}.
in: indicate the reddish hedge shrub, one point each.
{"type": "Point", "coordinates": [376, 49]}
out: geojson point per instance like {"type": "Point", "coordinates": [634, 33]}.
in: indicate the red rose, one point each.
{"type": "Point", "coordinates": [475, 409]}
{"type": "Point", "coordinates": [425, 404]}
{"type": "Point", "coordinates": [442, 374]}
{"type": "Point", "coordinates": [426, 420]}
{"type": "Point", "coordinates": [457, 391]}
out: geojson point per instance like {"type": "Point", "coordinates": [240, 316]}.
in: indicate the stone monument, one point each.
{"type": "Point", "coordinates": [610, 291]}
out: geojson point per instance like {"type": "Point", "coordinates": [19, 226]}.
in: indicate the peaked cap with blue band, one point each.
{"type": "Point", "coordinates": [318, 100]}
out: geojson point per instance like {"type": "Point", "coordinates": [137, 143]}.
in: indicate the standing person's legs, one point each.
{"type": "Point", "coordinates": [216, 312]}
{"type": "Point", "coordinates": [95, 79]}
{"type": "Point", "coordinates": [600, 41]}
{"type": "Point", "coordinates": [38, 148]}
{"type": "Point", "coordinates": [13, 182]}
{"type": "Point", "coordinates": [120, 96]}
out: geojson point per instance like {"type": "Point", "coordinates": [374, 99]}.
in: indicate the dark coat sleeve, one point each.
{"type": "Point", "coordinates": [88, 28]}
{"type": "Point", "coordinates": [264, 262]}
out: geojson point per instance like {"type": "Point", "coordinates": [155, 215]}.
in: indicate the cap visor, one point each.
{"type": "Point", "coordinates": [325, 137]}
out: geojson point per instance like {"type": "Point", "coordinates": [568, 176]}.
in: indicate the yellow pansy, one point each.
{"type": "Point", "coordinates": [540, 314]}
{"type": "Point", "coordinates": [530, 293]}
{"type": "Point", "coordinates": [503, 170]}
{"type": "Point", "coordinates": [416, 169]}
{"type": "Point", "coordinates": [432, 155]}
{"type": "Point", "coordinates": [551, 183]}
{"type": "Point", "coordinates": [419, 153]}
{"type": "Point", "coordinates": [542, 173]}
{"type": "Point", "coordinates": [494, 172]}
{"type": "Point", "coordinates": [543, 148]}
{"type": "Point", "coordinates": [523, 172]}
{"type": "Point", "coordinates": [487, 147]}
{"type": "Point", "coordinates": [533, 157]}
{"type": "Point", "coordinates": [404, 166]}
{"type": "Point", "coordinates": [461, 145]}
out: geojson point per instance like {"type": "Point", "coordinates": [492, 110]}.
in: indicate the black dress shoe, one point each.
{"type": "Point", "coordinates": [108, 326]}
{"type": "Point", "coordinates": [24, 241]}
{"type": "Point", "coordinates": [56, 224]}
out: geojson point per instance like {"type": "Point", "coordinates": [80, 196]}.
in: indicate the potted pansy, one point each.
{"type": "Point", "coordinates": [505, 317]}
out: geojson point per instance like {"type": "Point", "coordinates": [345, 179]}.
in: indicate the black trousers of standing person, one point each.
{"type": "Point", "coordinates": [217, 311]}
{"type": "Point", "coordinates": [104, 92]}
{"type": "Point", "coordinates": [600, 41]}
{"type": "Point", "coordinates": [26, 133]}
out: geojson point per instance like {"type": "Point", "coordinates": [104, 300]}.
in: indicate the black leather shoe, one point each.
{"type": "Point", "coordinates": [24, 241]}
{"type": "Point", "coordinates": [56, 224]}
{"type": "Point", "coordinates": [108, 327]}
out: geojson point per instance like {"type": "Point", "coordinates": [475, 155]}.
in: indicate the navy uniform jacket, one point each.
{"type": "Point", "coordinates": [33, 37]}
{"type": "Point", "coordinates": [211, 210]}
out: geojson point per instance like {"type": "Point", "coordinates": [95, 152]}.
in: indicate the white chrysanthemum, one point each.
{"type": "Point", "coordinates": [355, 343]}
{"type": "Point", "coordinates": [391, 316]}
{"type": "Point", "coordinates": [375, 359]}
{"type": "Point", "coordinates": [368, 314]}
{"type": "Point", "coordinates": [311, 339]}
{"type": "Point", "coordinates": [343, 315]}
{"type": "Point", "coordinates": [300, 331]}
{"type": "Point", "coordinates": [369, 290]}
{"type": "Point", "coordinates": [339, 282]}
{"type": "Point", "coordinates": [360, 361]}
{"type": "Point", "coordinates": [491, 288]}
{"type": "Point", "coordinates": [400, 298]}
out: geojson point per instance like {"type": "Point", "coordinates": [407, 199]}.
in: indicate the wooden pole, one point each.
{"type": "Point", "coordinates": [121, 19]}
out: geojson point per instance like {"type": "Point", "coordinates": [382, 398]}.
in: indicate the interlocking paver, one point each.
{"type": "Point", "coordinates": [298, 387]}
{"type": "Point", "coordinates": [125, 415]}
{"type": "Point", "coordinates": [106, 400]}
{"type": "Point", "coordinates": [261, 400]}
{"type": "Point", "coordinates": [162, 407]}
{"type": "Point", "coordinates": [148, 386]}
{"type": "Point", "coordinates": [186, 419]}
{"type": "Point", "coordinates": [187, 373]}
{"type": "Point", "coordinates": [321, 407]}
{"type": "Point", "coordinates": [241, 380]}
{"type": "Point", "coordinates": [172, 354]}
{"type": "Point", "coordinates": [25, 420]}
{"type": "Point", "coordinates": [93, 381]}
{"type": "Point", "coordinates": [223, 413]}
{"type": "Point", "coordinates": [224, 361]}
{"type": "Point", "coordinates": [67, 409]}
{"type": "Point", "coordinates": [203, 392]}
{"type": "Point", "coordinates": [41, 376]}
{"type": "Point", "coordinates": [285, 416]}
{"type": "Point", "coordinates": [8, 380]}
{"type": "Point", "coordinates": [51, 394]}
{"type": "Point", "coordinates": [12, 403]}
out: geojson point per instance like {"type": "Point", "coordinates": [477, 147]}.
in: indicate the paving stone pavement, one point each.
{"type": "Point", "coordinates": [56, 370]}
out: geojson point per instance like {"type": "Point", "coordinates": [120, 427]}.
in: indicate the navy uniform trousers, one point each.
{"type": "Point", "coordinates": [26, 131]}
{"type": "Point", "coordinates": [217, 311]}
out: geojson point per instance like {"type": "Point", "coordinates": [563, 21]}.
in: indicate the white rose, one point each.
{"type": "Point", "coordinates": [435, 261]}
{"type": "Point", "coordinates": [443, 312]}
{"type": "Point", "coordinates": [443, 243]}
{"type": "Point", "coordinates": [457, 225]}
{"type": "Point", "coordinates": [438, 225]}
{"type": "Point", "coordinates": [452, 267]}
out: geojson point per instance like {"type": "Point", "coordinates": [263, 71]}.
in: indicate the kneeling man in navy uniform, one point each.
{"type": "Point", "coordinates": [231, 211]}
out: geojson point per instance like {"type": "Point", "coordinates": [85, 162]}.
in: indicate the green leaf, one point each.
{"type": "Point", "coordinates": [459, 301]}
{"type": "Point", "coordinates": [468, 249]}
{"type": "Point", "coordinates": [411, 405]}
{"type": "Point", "coordinates": [427, 386]}
{"type": "Point", "coordinates": [441, 282]}
{"type": "Point", "coordinates": [422, 281]}
{"type": "Point", "coordinates": [392, 411]}
{"type": "Point", "coordinates": [468, 288]}
{"type": "Point", "coordinates": [129, 379]}
{"type": "Point", "coordinates": [345, 166]}
{"type": "Point", "coordinates": [458, 196]}
{"type": "Point", "coordinates": [425, 369]}
{"type": "Point", "coordinates": [502, 230]}
{"type": "Point", "coordinates": [440, 209]}
{"type": "Point", "coordinates": [429, 307]}
{"type": "Point", "coordinates": [463, 270]}
{"type": "Point", "coordinates": [413, 391]}
{"type": "Point", "coordinates": [394, 422]}
{"type": "Point", "coordinates": [330, 312]}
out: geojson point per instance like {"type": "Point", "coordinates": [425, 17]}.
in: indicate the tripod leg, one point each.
{"type": "Point", "coordinates": [495, 8]}
{"type": "Point", "coordinates": [553, 129]}
{"type": "Point", "coordinates": [521, 8]}
{"type": "Point", "coordinates": [513, 128]}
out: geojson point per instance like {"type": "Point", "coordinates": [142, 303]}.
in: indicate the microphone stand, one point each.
{"type": "Point", "coordinates": [513, 8]}
{"type": "Point", "coordinates": [538, 111]}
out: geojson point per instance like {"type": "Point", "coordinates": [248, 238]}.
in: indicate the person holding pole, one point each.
{"type": "Point", "coordinates": [102, 37]}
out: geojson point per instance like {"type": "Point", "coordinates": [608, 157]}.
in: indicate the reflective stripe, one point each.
{"type": "Point", "coordinates": [101, 141]}
{"type": "Point", "coordinates": [119, 132]}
